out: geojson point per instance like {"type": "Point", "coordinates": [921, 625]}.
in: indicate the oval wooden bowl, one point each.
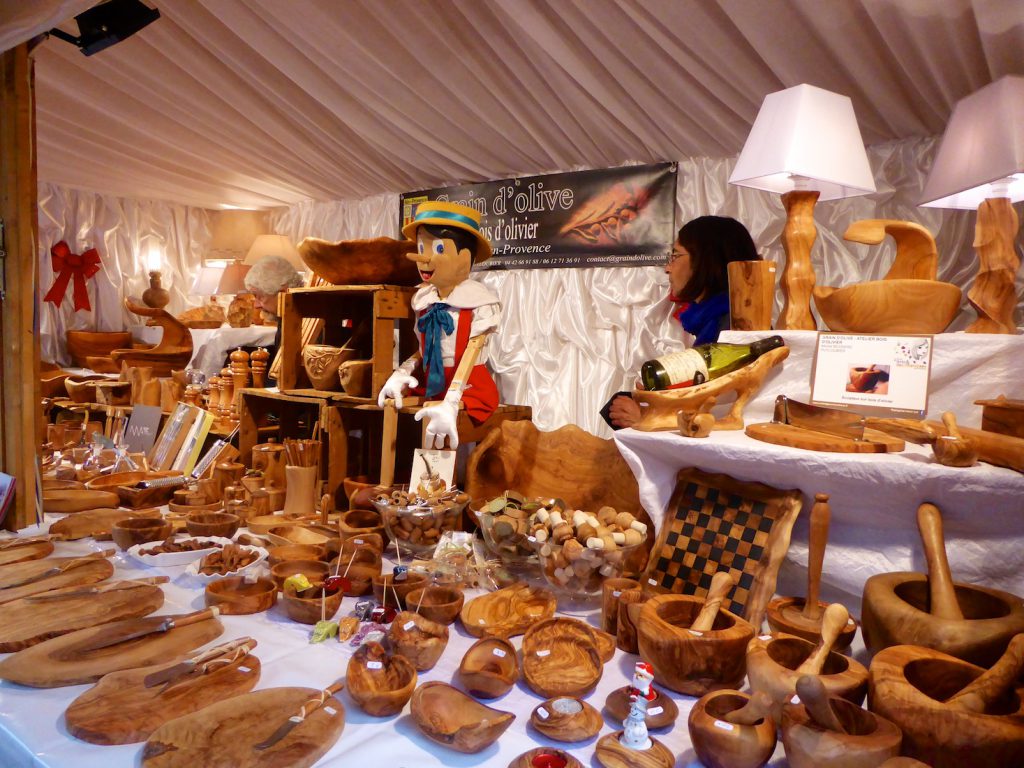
{"type": "Point", "coordinates": [296, 534]}
{"type": "Point", "coordinates": [560, 658]}
{"type": "Point", "coordinates": [314, 570]}
{"type": "Point", "coordinates": [374, 541]}
{"type": "Point", "coordinates": [721, 744]}
{"type": "Point", "coordinates": [360, 492]}
{"type": "Point", "coordinates": [188, 509]}
{"type": "Point", "coordinates": [63, 502]}
{"type": "Point", "coordinates": [566, 718]}
{"type": "Point", "coordinates": [909, 686]}
{"type": "Point", "coordinates": [454, 720]}
{"type": "Point", "coordinates": [440, 604]}
{"type": "Point", "coordinates": [509, 611]}
{"type": "Point", "coordinates": [84, 344]}
{"type": "Point", "coordinates": [869, 740]}
{"type": "Point", "coordinates": [889, 306]}
{"type": "Point", "coordinates": [772, 665]}
{"type": "Point", "coordinates": [285, 552]}
{"type": "Point", "coordinates": [235, 597]}
{"type": "Point", "coordinates": [895, 612]}
{"type": "Point", "coordinates": [383, 690]}
{"type": "Point", "coordinates": [785, 614]}
{"type": "Point", "coordinates": [82, 389]}
{"type": "Point", "coordinates": [662, 711]}
{"type": "Point", "coordinates": [321, 362]}
{"type": "Point", "coordinates": [686, 662]}
{"type": "Point", "coordinates": [363, 569]}
{"type": "Point", "coordinates": [261, 524]}
{"type": "Point", "coordinates": [489, 669]}
{"type": "Point", "coordinates": [139, 530]}
{"type": "Point", "coordinates": [386, 591]}
{"type": "Point", "coordinates": [212, 524]}
{"type": "Point", "coordinates": [419, 639]}
{"type": "Point", "coordinates": [361, 522]}
{"type": "Point", "coordinates": [308, 610]}
{"type": "Point", "coordinates": [109, 482]}
{"type": "Point", "coordinates": [545, 756]}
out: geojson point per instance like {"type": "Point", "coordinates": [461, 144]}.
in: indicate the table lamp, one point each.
{"type": "Point", "coordinates": [980, 164]}
{"type": "Point", "coordinates": [156, 296]}
{"type": "Point", "coordinates": [232, 233]}
{"type": "Point", "coordinates": [240, 310]}
{"type": "Point", "coordinates": [275, 245]}
{"type": "Point", "coordinates": [805, 145]}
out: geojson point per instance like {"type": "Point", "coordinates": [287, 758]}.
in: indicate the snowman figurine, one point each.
{"type": "Point", "coordinates": [641, 693]}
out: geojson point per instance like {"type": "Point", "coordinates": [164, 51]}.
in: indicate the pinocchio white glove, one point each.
{"type": "Point", "coordinates": [442, 421]}
{"type": "Point", "coordinates": [398, 382]}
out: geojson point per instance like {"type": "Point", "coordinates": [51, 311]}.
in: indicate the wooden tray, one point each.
{"type": "Point", "coordinates": [65, 502]}
{"type": "Point", "coordinates": [55, 662]}
{"type": "Point", "coordinates": [223, 735]}
{"type": "Point", "coordinates": [32, 620]}
{"type": "Point", "coordinates": [96, 523]}
{"type": "Point", "coordinates": [560, 658]}
{"type": "Point", "coordinates": [89, 572]}
{"type": "Point", "coordinates": [797, 437]}
{"type": "Point", "coordinates": [30, 550]}
{"type": "Point", "coordinates": [508, 612]}
{"type": "Point", "coordinates": [120, 709]}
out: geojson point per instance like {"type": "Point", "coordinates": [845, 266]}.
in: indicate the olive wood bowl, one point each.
{"type": "Point", "coordinates": [379, 683]}
{"type": "Point", "coordinates": [235, 596]}
{"type": "Point", "coordinates": [360, 568]}
{"type": "Point", "coordinates": [314, 570]}
{"type": "Point", "coordinates": [296, 534]}
{"type": "Point", "coordinates": [455, 720]}
{"type": "Point", "coordinates": [386, 591]}
{"type": "Point", "coordinates": [360, 522]}
{"type": "Point", "coordinates": [139, 530]}
{"type": "Point", "coordinates": [565, 718]}
{"type": "Point", "coordinates": [308, 610]}
{"type": "Point", "coordinates": [489, 668]}
{"type": "Point", "coordinates": [286, 552]}
{"type": "Point", "coordinates": [560, 658]}
{"type": "Point", "coordinates": [440, 604]}
{"type": "Point", "coordinates": [188, 509]}
{"type": "Point", "coordinates": [419, 639]}
{"type": "Point", "coordinates": [212, 524]}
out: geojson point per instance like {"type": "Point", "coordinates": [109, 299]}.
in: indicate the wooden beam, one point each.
{"type": "Point", "coordinates": [20, 406]}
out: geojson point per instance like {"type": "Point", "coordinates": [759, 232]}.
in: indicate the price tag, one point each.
{"type": "Point", "coordinates": [795, 699]}
{"type": "Point", "coordinates": [851, 622]}
{"type": "Point", "coordinates": [542, 712]}
{"type": "Point", "coordinates": [374, 665]}
{"type": "Point", "coordinates": [544, 653]}
{"type": "Point", "coordinates": [359, 541]}
{"type": "Point", "coordinates": [408, 625]}
{"type": "Point", "coordinates": [616, 593]}
{"type": "Point", "coordinates": [499, 653]}
{"type": "Point", "coordinates": [330, 711]}
{"type": "Point", "coordinates": [250, 577]}
{"type": "Point", "coordinates": [653, 582]}
{"type": "Point", "coordinates": [244, 669]}
{"type": "Point", "coordinates": [655, 711]}
{"type": "Point", "coordinates": [766, 638]}
{"type": "Point", "coordinates": [696, 633]}
{"type": "Point", "coordinates": [723, 725]}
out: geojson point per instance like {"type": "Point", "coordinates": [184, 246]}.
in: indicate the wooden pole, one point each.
{"type": "Point", "coordinates": [20, 405]}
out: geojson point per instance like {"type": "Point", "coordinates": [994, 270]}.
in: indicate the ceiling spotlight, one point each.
{"type": "Point", "coordinates": [108, 23]}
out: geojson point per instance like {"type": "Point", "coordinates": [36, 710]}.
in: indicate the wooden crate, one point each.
{"type": "Point", "coordinates": [385, 307]}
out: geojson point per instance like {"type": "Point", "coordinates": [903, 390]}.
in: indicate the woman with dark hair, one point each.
{"type": "Point", "coordinates": [699, 284]}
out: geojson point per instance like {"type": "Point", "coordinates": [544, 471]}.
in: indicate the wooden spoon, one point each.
{"type": "Point", "coordinates": [944, 604]}
{"type": "Point", "coordinates": [821, 515]}
{"type": "Point", "coordinates": [979, 694]}
{"type": "Point", "coordinates": [721, 583]}
{"type": "Point", "coordinates": [832, 624]}
{"type": "Point", "coordinates": [757, 708]}
{"type": "Point", "coordinates": [814, 697]}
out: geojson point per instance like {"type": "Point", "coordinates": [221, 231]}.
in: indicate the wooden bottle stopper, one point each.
{"type": "Point", "coordinates": [258, 361]}
{"type": "Point", "coordinates": [944, 604]}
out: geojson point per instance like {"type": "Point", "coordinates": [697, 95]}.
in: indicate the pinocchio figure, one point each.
{"type": "Point", "coordinates": [454, 314]}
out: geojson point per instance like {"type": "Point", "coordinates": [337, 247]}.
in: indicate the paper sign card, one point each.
{"type": "Point", "coordinates": [875, 375]}
{"type": "Point", "coordinates": [427, 462]}
{"type": "Point", "coordinates": [142, 429]}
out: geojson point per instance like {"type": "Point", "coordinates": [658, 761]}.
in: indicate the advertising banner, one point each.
{"type": "Point", "coordinates": [603, 218]}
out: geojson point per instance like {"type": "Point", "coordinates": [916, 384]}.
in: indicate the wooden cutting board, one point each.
{"type": "Point", "coordinates": [96, 523]}
{"type": "Point", "coordinates": [223, 734]}
{"type": "Point", "coordinates": [32, 620]}
{"type": "Point", "coordinates": [55, 662]}
{"type": "Point", "coordinates": [19, 553]}
{"type": "Point", "coordinates": [797, 437]}
{"type": "Point", "coordinates": [64, 502]}
{"type": "Point", "coordinates": [120, 709]}
{"type": "Point", "coordinates": [88, 572]}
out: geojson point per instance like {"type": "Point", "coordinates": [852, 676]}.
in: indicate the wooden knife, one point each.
{"type": "Point", "coordinates": [66, 566]}
{"type": "Point", "coordinates": [307, 709]}
{"type": "Point", "coordinates": [142, 627]}
{"type": "Point", "coordinates": [177, 671]}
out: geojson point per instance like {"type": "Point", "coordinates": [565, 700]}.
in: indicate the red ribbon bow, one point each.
{"type": "Point", "coordinates": [67, 265]}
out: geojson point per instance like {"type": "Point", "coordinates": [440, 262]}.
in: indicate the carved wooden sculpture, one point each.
{"type": "Point", "coordinates": [993, 294]}
{"type": "Point", "coordinates": [172, 352]}
{"type": "Point", "coordinates": [907, 300]}
{"type": "Point", "coordinates": [751, 295]}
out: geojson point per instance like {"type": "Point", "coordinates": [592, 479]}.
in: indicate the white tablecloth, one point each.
{"type": "Point", "coordinates": [873, 498]}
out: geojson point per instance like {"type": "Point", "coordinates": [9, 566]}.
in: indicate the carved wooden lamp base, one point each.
{"type": "Point", "coordinates": [993, 294]}
{"type": "Point", "coordinates": [797, 281]}
{"type": "Point", "coordinates": [612, 754]}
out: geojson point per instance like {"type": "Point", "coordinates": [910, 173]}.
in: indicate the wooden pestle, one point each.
{"type": "Point", "coordinates": [832, 624]}
{"type": "Point", "coordinates": [814, 697]}
{"type": "Point", "coordinates": [721, 583]}
{"type": "Point", "coordinates": [944, 604]}
{"type": "Point", "coordinates": [821, 515]}
{"type": "Point", "coordinates": [758, 707]}
{"type": "Point", "coordinates": [325, 509]}
{"type": "Point", "coordinates": [953, 449]}
{"type": "Point", "coordinates": [979, 694]}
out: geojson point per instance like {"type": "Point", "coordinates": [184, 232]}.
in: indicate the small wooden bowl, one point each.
{"type": "Point", "coordinates": [383, 690]}
{"type": "Point", "coordinates": [296, 534]}
{"type": "Point", "coordinates": [565, 718]}
{"type": "Point", "coordinates": [357, 522]}
{"type": "Point", "coordinates": [261, 524]}
{"type": "Point", "coordinates": [719, 743]}
{"type": "Point", "coordinates": [235, 597]}
{"type": "Point", "coordinates": [286, 552]}
{"type": "Point", "coordinates": [188, 509]}
{"type": "Point", "coordinates": [869, 739]}
{"type": "Point", "coordinates": [545, 756]}
{"type": "Point", "coordinates": [360, 491]}
{"type": "Point", "coordinates": [308, 610]}
{"type": "Point", "coordinates": [560, 658]}
{"type": "Point", "coordinates": [212, 524]}
{"type": "Point", "coordinates": [139, 530]}
{"type": "Point", "coordinates": [785, 614]}
{"type": "Point", "coordinates": [313, 570]}
{"type": "Point", "coordinates": [662, 711]}
{"type": "Point", "coordinates": [440, 604]}
{"type": "Point", "coordinates": [374, 541]}
{"type": "Point", "coordinates": [455, 720]}
{"type": "Point", "coordinates": [359, 571]}
{"type": "Point", "coordinates": [420, 640]}
{"type": "Point", "coordinates": [490, 668]}
{"type": "Point", "coordinates": [384, 588]}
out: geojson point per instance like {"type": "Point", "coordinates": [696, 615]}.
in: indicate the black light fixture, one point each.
{"type": "Point", "coordinates": [108, 23]}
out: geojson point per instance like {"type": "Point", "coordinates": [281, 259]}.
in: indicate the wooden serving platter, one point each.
{"type": "Point", "coordinates": [59, 661]}
{"type": "Point", "coordinates": [224, 735]}
{"type": "Point", "coordinates": [508, 612]}
{"type": "Point", "coordinates": [120, 709]}
{"type": "Point", "coordinates": [793, 436]}
{"type": "Point", "coordinates": [89, 572]}
{"type": "Point", "coordinates": [32, 620]}
{"type": "Point", "coordinates": [560, 658]}
{"type": "Point", "coordinates": [65, 502]}
{"type": "Point", "coordinates": [29, 550]}
{"type": "Point", "coordinates": [96, 523]}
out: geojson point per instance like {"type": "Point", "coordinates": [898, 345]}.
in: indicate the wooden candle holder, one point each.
{"type": "Point", "coordinates": [662, 711]}
{"type": "Point", "coordinates": [611, 753]}
{"type": "Point", "coordinates": [565, 718]}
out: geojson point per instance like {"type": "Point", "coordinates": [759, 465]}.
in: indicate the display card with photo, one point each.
{"type": "Point", "coordinates": [876, 375]}
{"type": "Point", "coordinates": [428, 462]}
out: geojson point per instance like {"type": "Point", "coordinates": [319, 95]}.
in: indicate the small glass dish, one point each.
{"type": "Point", "coordinates": [576, 574]}
{"type": "Point", "coordinates": [415, 524]}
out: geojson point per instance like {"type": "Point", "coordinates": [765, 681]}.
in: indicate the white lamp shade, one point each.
{"type": "Point", "coordinates": [206, 281]}
{"type": "Point", "coordinates": [274, 245]}
{"type": "Point", "coordinates": [805, 137]}
{"type": "Point", "coordinates": [983, 143]}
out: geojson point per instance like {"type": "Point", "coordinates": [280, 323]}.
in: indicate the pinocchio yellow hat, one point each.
{"type": "Point", "coordinates": [437, 213]}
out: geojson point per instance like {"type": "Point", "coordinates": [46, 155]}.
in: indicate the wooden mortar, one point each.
{"type": "Point", "coordinates": [802, 616]}
{"type": "Point", "coordinates": [952, 713]}
{"type": "Point", "coordinates": [730, 729]}
{"type": "Point", "coordinates": [775, 663]}
{"type": "Point", "coordinates": [967, 621]}
{"type": "Point", "coordinates": [820, 730]}
{"type": "Point", "coordinates": [694, 645]}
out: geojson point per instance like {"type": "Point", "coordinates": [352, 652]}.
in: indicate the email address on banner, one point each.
{"type": "Point", "coordinates": [627, 257]}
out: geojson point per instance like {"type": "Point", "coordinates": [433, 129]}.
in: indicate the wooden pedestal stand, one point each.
{"type": "Point", "coordinates": [993, 294]}
{"type": "Point", "coordinates": [798, 274]}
